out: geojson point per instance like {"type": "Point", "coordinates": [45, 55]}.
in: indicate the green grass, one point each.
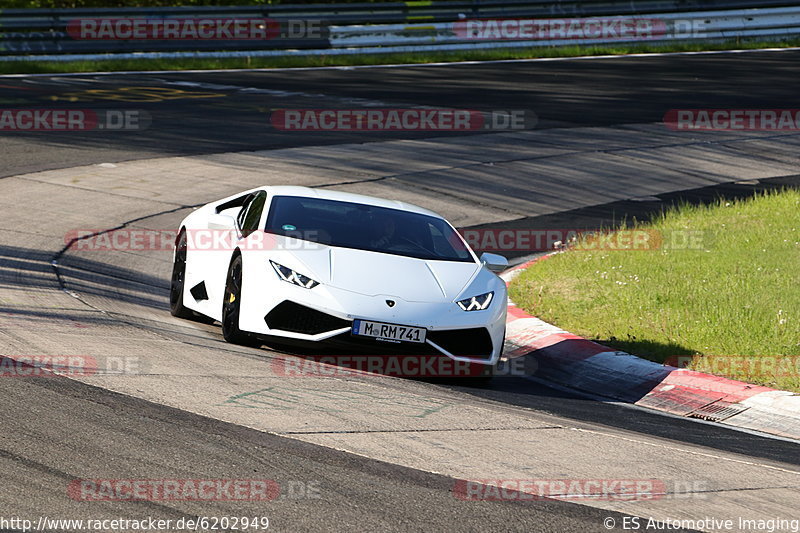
{"type": "Point", "coordinates": [34, 66]}
{"type": "Point", "coordinates": [732, 299]}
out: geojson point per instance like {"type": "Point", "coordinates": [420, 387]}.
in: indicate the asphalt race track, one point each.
{"type": "Point", "coordinates": [192, 119]}
{"type": "Point", "coordinates": [357, 454]}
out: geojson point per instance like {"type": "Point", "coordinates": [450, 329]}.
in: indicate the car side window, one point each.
{"type": "Point", "coordinates": [249, 219]}
{"type": "Point", "coordinates": [243, 210]}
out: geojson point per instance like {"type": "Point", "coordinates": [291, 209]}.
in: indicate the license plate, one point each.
{"type": "Point", "coordinates": [388, 332]}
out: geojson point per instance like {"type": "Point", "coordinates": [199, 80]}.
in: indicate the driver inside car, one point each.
{"type": "Point", "coordinates": [384, 233]}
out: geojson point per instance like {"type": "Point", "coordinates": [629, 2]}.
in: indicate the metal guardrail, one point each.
{"type": "Point", "coordinates": [383, 27]}
{"type": "Point", "coordinates": [705, 25]}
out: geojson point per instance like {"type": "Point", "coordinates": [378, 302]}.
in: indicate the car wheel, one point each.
{"type": "Point", "coordinates": [176, 307]}
{"type": "Point", "coordinates": [231, 306]}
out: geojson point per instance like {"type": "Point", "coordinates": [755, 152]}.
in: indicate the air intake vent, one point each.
{"type": "Point", "coordinates": [290, 316]}
{"type": "Point", "coordinates": [199, 291]}
{"type": "Point", "coordinates": [475, 342]}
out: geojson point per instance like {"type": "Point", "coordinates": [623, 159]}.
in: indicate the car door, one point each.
{"type": "Point", "coordinates": [247, 236]}
{"type": "Point", "coordinates": [209, 263]}
{"type": "Point", "coordinates": [252, 243]}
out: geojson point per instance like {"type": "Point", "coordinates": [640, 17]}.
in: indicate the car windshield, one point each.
{"type": "Point", "coordinates": [366, 227]}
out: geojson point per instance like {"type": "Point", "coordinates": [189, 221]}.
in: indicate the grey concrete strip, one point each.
{"type": "Point", "coordinates": [507, 176]}
{"type": "Point", "coordinates": [725, 163]}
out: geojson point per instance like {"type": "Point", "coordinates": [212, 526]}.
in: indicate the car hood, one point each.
{"type": "Point", "coordinates": [373, 273]}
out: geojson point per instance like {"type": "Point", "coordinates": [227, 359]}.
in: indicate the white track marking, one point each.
{"type": "Point", "coordinates": [406, 65]}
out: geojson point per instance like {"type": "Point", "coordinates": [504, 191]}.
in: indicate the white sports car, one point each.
{"type": "Point", "coordinates": [365, 274]}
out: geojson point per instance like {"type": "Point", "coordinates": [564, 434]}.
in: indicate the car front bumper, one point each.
{"type": "Point", "coordinates": [325, 314]}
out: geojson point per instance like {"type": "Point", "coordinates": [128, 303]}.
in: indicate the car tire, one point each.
{"type": "Point", "coordinates": [231, 303]}
{"type": "Point", "coordinates": [176, 307]}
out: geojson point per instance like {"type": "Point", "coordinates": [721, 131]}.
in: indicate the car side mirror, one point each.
{"type": "Point", "coordinates": [221, 222]}
{"type": "Point", "coordinates": [495, 263]}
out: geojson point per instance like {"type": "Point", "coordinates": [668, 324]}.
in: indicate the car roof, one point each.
{"type": "Point", "coordinates": [293, 190]}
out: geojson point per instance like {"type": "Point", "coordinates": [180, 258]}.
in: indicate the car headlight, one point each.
{"type": "Point", "coordinates": [476, 303]}
{"type": "Point", "coordinates": [290, 276]}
